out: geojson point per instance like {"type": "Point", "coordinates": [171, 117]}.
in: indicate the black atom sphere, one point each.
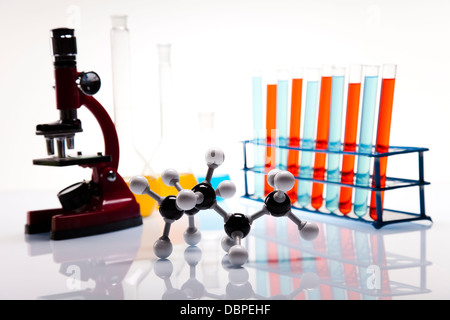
{"type": "Point", "coordinates": [209, 195]}
{"type": "Point", "coordinates": [237, 222]}
{"type": "Point", "coordinates": [275, 208]}
{"type": "Point", "coordinates": [169, 210]}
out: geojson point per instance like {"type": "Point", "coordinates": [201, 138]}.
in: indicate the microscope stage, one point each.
{"type": "Point", "coordinates": [70, 161]}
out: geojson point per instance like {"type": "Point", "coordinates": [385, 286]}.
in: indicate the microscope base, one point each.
{"type": "Point", "coordinates": [67, 225]}
{"type": "Point", "coordinates": [94, 230]}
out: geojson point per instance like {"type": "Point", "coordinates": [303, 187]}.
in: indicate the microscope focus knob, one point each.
{"type": "Point", "coordinates": [89, 83]}
{"type": "Point", "coordinates": [76, 196]}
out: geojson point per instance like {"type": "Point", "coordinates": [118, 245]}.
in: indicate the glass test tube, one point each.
{"type": "Point", "coordinates": [309, 122]}
{"type": "Point", "coordinates": [384, 128]}
{"type": "Point", "coordinates": [365, 138]}
{"type": "Point", "coordinates": [282, 121]}
{"type": "Point", "coordinates": [334, 138]}
{"type": "Point", "coordinates": [165, 155]}
{"type": "Point", "coordinates": [271, 125]}
{"type": "Point", "coordinates": [121, 81]}
{"type": "Point", "coordinates": [131, 162]}
{"type": "Point", "coordinates": [323, 123]}
{"type": "Point", "coordinates": [294, 130]}
{"type": "Point", "coordinates": [258, 134]}
{"type": "Point", "coordinates": [351, 129]}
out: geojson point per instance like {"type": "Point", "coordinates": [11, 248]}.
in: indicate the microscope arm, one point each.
{"type": "Point", "coordinates": [107, 126]}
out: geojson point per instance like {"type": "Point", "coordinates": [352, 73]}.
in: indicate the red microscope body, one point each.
{"type": "Point", "coordinates": [105, 203]}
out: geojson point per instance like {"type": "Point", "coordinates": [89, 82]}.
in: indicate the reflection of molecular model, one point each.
{"type": "Point", "coordinates": [203, 196]}
{"type": "Point", "coordinates": [238, 286]}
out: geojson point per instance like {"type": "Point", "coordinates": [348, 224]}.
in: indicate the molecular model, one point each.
{"type": "Point", "coordinates": [203, 196]}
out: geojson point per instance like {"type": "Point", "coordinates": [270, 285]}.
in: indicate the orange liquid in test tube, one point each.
{"type": "Point", "coordinates": [294, 133]}
{"type": "Point", "coordinates": [321, 141]}
{"type": "Point", "coordinates": [271, 122]}
{"type": "Point", "coordinates": [351, 128]}
{"type": "Point", "coordinates": [384, 129]}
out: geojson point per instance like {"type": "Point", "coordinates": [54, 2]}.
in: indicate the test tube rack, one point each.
{"type": "Point", "coordinates": [384, 216]}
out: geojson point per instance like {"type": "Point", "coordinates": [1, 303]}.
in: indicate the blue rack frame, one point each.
{"type": "Point", "coordinates": [391, 183]}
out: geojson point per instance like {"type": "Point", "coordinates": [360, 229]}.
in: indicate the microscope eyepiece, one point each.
{"type": "Point", "coordinates": [64, 46]}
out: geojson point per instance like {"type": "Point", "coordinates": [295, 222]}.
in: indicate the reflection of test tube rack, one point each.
{"type": "Point", "coordinates": [384, 216]}
{"type": "Point", "coordinates": [351, 263]}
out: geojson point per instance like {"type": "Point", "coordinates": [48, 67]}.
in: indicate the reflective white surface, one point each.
{"type": "Point", "coordinates": [352, 261]}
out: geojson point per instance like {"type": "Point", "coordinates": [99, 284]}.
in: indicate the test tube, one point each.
{"type": "Point", "coordinates": [258, 133]}
{"type": "Point", "coordinates": [282, 118]}
{"type": "Point", "coordinates": [271, 124]}
{"type": "Point", "coordinates": [334, 138]}
{"type": "Point", "coordinates": [309, 122]}
{"type": "Point", "coordinates": [323, 123]}
{"type": "Point", "coordinates": [122, 93]}
{"type": "Point", "coordinates": [294, 130]}
{"type": "Point", "coordinates": [351, 129]}
{"type": "Point", "coordinates": [365, 138]}
{"type": "Point", "coordinates": [384, 129]}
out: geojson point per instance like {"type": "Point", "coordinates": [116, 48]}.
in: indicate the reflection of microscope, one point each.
{"type": "Point", "coordinates": [95, 271]}
{"type": "Point", "coordinates": [105, 203]}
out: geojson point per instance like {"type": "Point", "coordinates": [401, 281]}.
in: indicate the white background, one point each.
{"type": "Point", "coordinates": [216, 45]}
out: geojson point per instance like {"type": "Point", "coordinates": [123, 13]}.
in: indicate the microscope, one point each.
{"type": "Point", "coordinates": [105, 203]}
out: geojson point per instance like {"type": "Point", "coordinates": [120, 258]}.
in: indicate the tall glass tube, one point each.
{"type": "Point", "coordinates": [366, 138]}
{"type": "Point", "coordinates": [309, 123]}
{"type": "Point", "coordinates": [121, 78]}
{"type": "Point", "coordinates": [334, 138]}
{"type": "Point", "coordinates": [351, 129]}
{"type": "Point", "coordinates": [282, 118]}
{"type": "Point", "coordinates": [323, 123]}
{"type": "Point", "coordinates": [294, 130]}
{"type": "Point", "coordinates": [131, 161]}
{"type": "Point", "coordinates": [166, 100]}
{"type": "Point", "coordinates": [258, 133]}
{"type": "Point", "coordinates": [384, 127]}
{"type": "Point", "coordinates": [173, 148]}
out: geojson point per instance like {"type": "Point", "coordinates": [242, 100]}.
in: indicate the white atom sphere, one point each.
{"type": "Point", "coordinates": [163, 268]}
{"type": "Point", "coordinates": [138, 184]}
{"type": "Point", "coordinates": [192, 255]}
{"type": "Point", "coordinates": [170, 177]}
{"type": "Point", "coordinates": [226, 189]}
{"type": "Point", "coordinates": [271, 177]}
{"type": "Point", "coordinates": [186, 199]}
{"type": "Point", "coordinates": [238, 255]}
{"type": "Point", "coordinates": [284, 181]}
{"type": "Point", "coordinates": [192, 236]}
{"type": "Point", "coordinates": [226, 243]}
{"type": "Point", "coordinates": [309, 280]}
{"type": "Point", "coordinates": [238, 276]}
{"type": "Point", "coordinates": [309, 231]}
{"type": "Point", "coordinates": [214, 157]}
{"type": "Point", "coordinates": [162, 248]}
